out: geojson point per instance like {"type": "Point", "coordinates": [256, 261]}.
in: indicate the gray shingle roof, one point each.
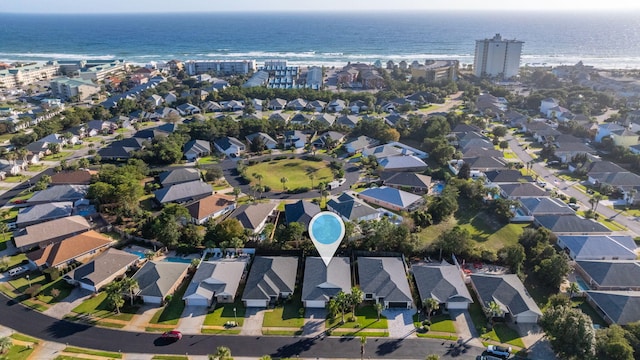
{"type": "Point", "coordinates": [323, 282]}
{"type": "Point", "coordinates": [546, 206]}
{"type": "Point", "coordinates": [407, 179]}
{"type": "Point", "coordinates": [54, 229]}
{"type": "Point", "coordinates": [571, 224]}
{"type": "Point", "coordinates": [60, 193]}
{"type": "Point", "coordinates": [197, 147]}
{"type": "Point", "coordinates": [599, 246]}
{"type": "Point", "coordinates": [392, 196]}
{"type": "Point", "coordinates": [226, 142]}
{"type": "Point", "coordinates": [215, 278]}
{"type": "Point", "coordinates": [622, 307]}
{"type": "Point", "coordinates": [442, 282]}
{"type": "Point", "coordinates": [505, 176]}
{"type": "Point", "coordinates": [251, 215]}
{"type": "Point", "coordinates": [44, 212]}
{"type": "Point", "coordinates": [522, 190]}
{"type": "Point", "coordinates": [103, 266]}
{"type": "Point", "coordinates": [618, 274]}
{"type": "Point", "coordinates": [178, 176]}
{"type": "Point", "coordinates": [506, 290]}
{"type": "Point", "coordinates": [301, 212]}
{"type": "Point", "coordinates": [350, 208]}
{"type": "Point", "coordinates": [156, 278]}
{"type": "Point", "coordinates": [402, 162]}
{"type": "Point", "coordinates": [271, 276]}
{"type": "Point", "coordinates": [186, 191]}
{"type": "Point", "coordinates": [385, 277]}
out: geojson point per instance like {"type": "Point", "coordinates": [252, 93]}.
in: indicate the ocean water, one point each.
{"type": "Point", "coordinates": [605, 40]}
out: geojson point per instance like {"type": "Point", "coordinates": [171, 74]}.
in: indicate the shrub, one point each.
{"type": "Point", "coordinates": [299, 190]}
{"type": "Point", "coordinates": [351, 319]}
{"type": "Point", "coordinates": [33, 290]}
{"type": "Point", "coordinates": [426, 322]}
{"type": "Point", "coordinates": [51, 274]}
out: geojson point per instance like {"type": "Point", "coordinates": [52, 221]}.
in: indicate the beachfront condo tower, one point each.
{"type": "Point", "coordinates": [497, 57]}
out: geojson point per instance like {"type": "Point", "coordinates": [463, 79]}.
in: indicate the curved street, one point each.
{"type": "Point", "coordinates": [33, 323]}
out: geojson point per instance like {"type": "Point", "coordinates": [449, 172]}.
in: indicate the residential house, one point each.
{"type": "Point", "coordinates": [50, 232]}
{"type": "Point", "coordinates": [332, 138]}
{"type": "Point", "coordinates": [301, 212]}
{"type": "Point", "coordinates": [566, 151]}
{"type": "Point", "coordinates": [479, 163]}
{"type": "Point", "coordinates": [323, 282]}
{"type": "Point", "coordinates": [386, 150]}
{"type": "Point", "coordinates": [598, 247]}
{"type": "Point", "coordinates": [233, 105]}
{"type": "Point", "coordinates": [188, 109]}
{"type": "Point", "coordinates": [515, 191]}
{"type": "Point", "coordinates": [325, 119]}
{"type": "Point", "coordinates": [301, 119]}
{"type": "Point", "coordinates": [295, 138]}
{"type": "Point", "coordinates": [349, 121]}
{"type": "Point", "coordinates": [393, 119]}
{"type": "Point", "coordinates": [625, 138]}
{"type": "Point", "coordinates": [606, 129]}
{"type": "Point", "coordinates": [610, 275]}
{"type": "Point", "coordinates": [407, 181]}
{"type": "Point", "coordinates": [548, 104]}
{"type": "Point", "coordinates": [571, 225]}
{"type": "Point", "coordinates": [277, 104]}
{"type": "Point", "coordinates": [616, 307]}
{"type": "Point", "coordinates": [230, 146]}
{"type": "Point", "coordinates": [43, 212]}
{"type": "Point", "coordinates": [70, 250]}
{"type": "Point", "coordinates": [121, 149]}
{"type": "Point", "coordinates": [316, 105]}
{"type": "Point", "coordinates": [170, 98]}
{"type": "Point", "coordinates": [495, 177]}
{"type": "Point", "coordinates": [540, 130]}
{"type": "Point", "coordinates": [158, 279]}
{"type": "Point", "coordinates": [297, 104]}
{"type": "Point", "coordinates": [402, 163]}
{"type": "Point", "coordinates": [352, 209]}
{"type": "Point", "coordinates": [357, 106]}
{"type": "Point", "coordinates": [212, 106]}
{"type": "Point", "coordinates": [530, 207]}
{"type": "Point", "coordinates": [155, 100]}
{"type": "Point", "coordinates": [266, 140]}
{"type": "Point", "coordinates": [442, 282]}
{"type": "Point", "coordinates": [606, 173]}
{"type": "Point", "coordinates": [75, 177]}
{"type": "Point", "coordinates": [210, 207]}
{"type": "Point", "coordinates": [359, 144]}
{"type": "Point", "coordinates": [490, 105]}
{"type": "Point", "coordinates": [279, 116]}
{"type": "Point", "coordinates": [391, 198]}
{"type": "Point", "coordinates": [255, 216]}
{"type": "Point", "coordinates": [178, 176]}
{"type": "Point", "coordinates": [104, 269]}
{"type": "Point", "coordinates": [101, 126]}
{"type": "Point", "coordinates": [195, 149]}
{"type": "Point", "coordinates": [384, 280]}
{"type": "Point", "coordinates": [183, 192]}
{"type": "Point", "coordinates": [271, 278]}
{"type": "Point", "coordinates": [58, 193]}
{"type": "Point", "coordinates": [336, 105]}
{"type": "Point", "coordinates": [509, 293]}
{"type": "Point", "coordinates": [215, 282]}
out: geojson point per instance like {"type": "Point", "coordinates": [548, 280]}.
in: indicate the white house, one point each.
{"type": "Point", "coordinates": [230, 146]}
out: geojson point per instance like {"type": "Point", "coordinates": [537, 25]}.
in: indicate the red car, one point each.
{"type": "Point", "coordinates": [19, 201]}
{"type": "Point", "coordinates": [172, 335]}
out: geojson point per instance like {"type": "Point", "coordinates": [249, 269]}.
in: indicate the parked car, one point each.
{"type": "Point", "coordinates": [174, 335]}
{"type": "Point", "coordinates": [17, 271]}
{"type": "Point", "coordinates": [12, 226]}
{"type": "Point", "coordinates": [19, 201]}
{"type": "Point", "coordinates": [501, 351]}
{"type": "Point", "coordinates": [486, 357]}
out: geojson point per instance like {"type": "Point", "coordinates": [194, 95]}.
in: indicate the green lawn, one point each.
{"type": "Point", "coordinates": [586, 308]}
{"type": "Point", "coordinates": [504, 334]}
{"type": "Point", "coordinates": [366, 318]}
{"type": "Point", "coordinates": [59, 156]}
{"type": "Point", "coordinates": [15, 179]}
{"type": "Point", "coordinates": [16, 259]}
{"type": "Point", "coordinates": [208, 160]}
{"type": "Point", "coordinates": [25, 338]}
{"type": "Point", "coordinates": [37, 168]}
{"type": "Point", "coordinates": [170, 313]}
{"type": "Point", "coordinates": [282, 332]}
{"type": "Point", "coordinates": [169, 357]}
{"type": "Point", "coordinates": [440, 323]}
{"type": "Point", "coordinates": [296, 171]}
{"type": "Point", "coordinates": [285, 316]}
{"type": "Point", "coordinates": [223, 313]}
{"type": "Point", "coordinates": [106, 354]}
{"type": "Point", "coordinates": [18, 352]}
{"type": "Point", "coordinates": [99, 307]}
{"type": "Point", "coordinates": [25, 195]}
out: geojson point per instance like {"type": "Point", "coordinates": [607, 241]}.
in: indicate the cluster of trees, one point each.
{"type": "Point", "coordinates": [163, 150]}
{"type": "Point", "coordinates": [117, 289]}
{"type": "Point", "coordinates": [343, 302]}
{"type": "Point", "coordinates": [549, 266]}
{"type": "Point", "coordinates": [67, 119]}
{"type": "Point", "coordinates": [118, 188]}
{"type": "Point", "coordinates": [383, 235]}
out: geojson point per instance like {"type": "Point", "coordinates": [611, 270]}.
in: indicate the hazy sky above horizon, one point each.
{"type": "Point", "coordinates": [140, 6]}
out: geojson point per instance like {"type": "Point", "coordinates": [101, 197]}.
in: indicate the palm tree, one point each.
{"type": "Point", "coordinates": [342, 299]}
{"type": "Point", "coordinates": [493, 310]}
{"type": "Point", "coordinates": [129, 285]}
{"type": "Point", "coordinates": [236, 192]}
{"type": "Point", "coordinates": [573, 289]}
{"type": "Point", "coordinates": [430, 305]}
{"type": "Point", "coordinates": [4, 228]}
{"type": "Point", "coordinates": [114, 295]}
{"type": "Point", "coordinates": [23, 153]}
{"type": "Point", "coordinates": [363, 342]}
{"type": "Point", "coordinates": [355, 298]}
{"type": "Point", "coordinates": [597, 198]}
{"type": "Point", "coordinates": [312, 177]}
{"type": "Point", "coordinates": [379, 307]}
{"type": "Point", "coordinates": [592, 202]}
{"type": "Point", "coordinates": [259, 177]}
{"type": "Point", "coordinates": [5, 344]}
{"type": "Point", "coordinates": [222, 353]}
{"type": "Point", "coordinates": [284, 180]}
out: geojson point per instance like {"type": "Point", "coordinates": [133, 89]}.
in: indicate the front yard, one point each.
{"type": "Point", "coordinates": [171, 312]}
{"type": "Point", "coordinates": [97, 309]}
{"type": "Point", "coordinates": [223, 314]}
{"type": "Point", "coordinates": [366, 323]}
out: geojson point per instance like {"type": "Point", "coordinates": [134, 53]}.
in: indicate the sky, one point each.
{"type": "Point", "coordinates": [142, 6]}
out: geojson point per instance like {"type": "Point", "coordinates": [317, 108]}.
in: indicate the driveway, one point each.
{"type": "Point", "coordinates": [465, 328]}
{"type": "Point", "coordinates": [62, 308]}
{"type": "Point", "coordinates": [253, 318]}
{"type": "Point", "coordinates": [192, 319]}
{"type": "Point", "coordinates": [314, 322]}
{"type": "Point", "coordinates": [400, 323]}
{"type": "Point", "coordinates": [535, 340]}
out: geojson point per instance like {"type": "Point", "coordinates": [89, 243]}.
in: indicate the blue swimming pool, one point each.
{"type": "Point", "coordinates": [581, 284]}
{"type": "Point", "coordinates": [136, 252]}
{"type": "Point", "coordinates": [327, 228]}
{"type": "Point", "coordinates": [438, 188]}
{"type": "Point", "coordinates": [178, 260]}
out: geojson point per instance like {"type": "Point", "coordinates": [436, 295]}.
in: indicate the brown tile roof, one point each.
{"type": "Point", "coordinates": [209, 205]}
{"type": "Point", "coordinates": [79, 177]}
{"type": "Point", "coordinates": [69, 249]}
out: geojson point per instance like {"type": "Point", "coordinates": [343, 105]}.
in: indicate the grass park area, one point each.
{"type": "Point", "coordinates": [296, 171]}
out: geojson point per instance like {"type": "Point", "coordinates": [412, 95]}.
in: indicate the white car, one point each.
{"type": "Point", "coordinates": [500, 351]}
{"type": "Point", "coordinates": [16, 271]}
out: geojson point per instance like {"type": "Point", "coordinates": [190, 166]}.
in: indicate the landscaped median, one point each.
{"type": "Point", "coordinates": [365, 323]}
{"type": "Point", "coordinates": [221, 319]}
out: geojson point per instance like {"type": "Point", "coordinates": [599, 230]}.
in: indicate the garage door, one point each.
{"type": "Point", "coordinates": [87, 287]}
{"type": "Point", "coordinates": [315, 304]}
{"type": "Point", "coordinates": [527, 319]}
{"type": "Point", "coordinates": [457, 305]}
{"type": "Point", "coordinates": [255, 303]}
{"type": "Point", "coordinates": [397, 304]}
{"type": "Point", "coordinates": [152, 300]}
{"type": "Point", "coordinates": [197, 302]}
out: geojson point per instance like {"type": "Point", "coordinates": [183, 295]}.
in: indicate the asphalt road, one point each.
{"type": "Point", "coordinates": [33, 323]}
{"type": "Point", "coordinates": [633, 224]}
{"type": "Point", "coordinates": [13, 192]}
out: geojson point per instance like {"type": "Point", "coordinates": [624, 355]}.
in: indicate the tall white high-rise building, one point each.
{"type": "Point", "coordinates": [497, 57]}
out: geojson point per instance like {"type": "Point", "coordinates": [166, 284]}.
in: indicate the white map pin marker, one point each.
{"type": "Point", "coordinates": [326, 230]}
